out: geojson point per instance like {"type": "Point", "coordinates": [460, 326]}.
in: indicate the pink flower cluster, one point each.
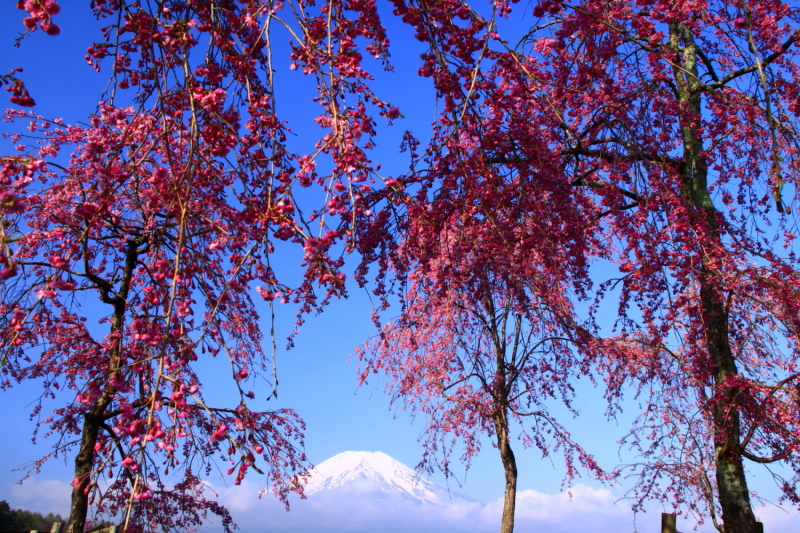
{"type": "Point", "coordinates": [41, 12]}
{"type": "Point", "coordinates": [19, 93]}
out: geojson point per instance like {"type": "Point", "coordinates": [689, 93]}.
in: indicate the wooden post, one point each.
{"type": "Point", "coordinates": [759, 527]}
{"type": "Point", "coordinates": [56, 527]}
{"type": "Point", "coordinates": [668, 523]}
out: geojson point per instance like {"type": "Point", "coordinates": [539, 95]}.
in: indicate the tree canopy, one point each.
{"type": "Point", "coordinates": [658, 136]}
{"type": "Point", "coordinates": [663, 136]}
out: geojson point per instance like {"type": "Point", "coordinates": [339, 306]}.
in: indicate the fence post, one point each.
{"type": "Point", "coordinates": [668, 523]}
{"type": "Point", "coordinates": [56, 527]}
{"type": "Point", "coordinates": [759, 527]}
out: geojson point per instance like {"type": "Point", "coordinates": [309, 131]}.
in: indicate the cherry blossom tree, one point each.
{"type": "Point", "coordinates": [128, 221]}
{"type": "Point", "coordinates": [167, 207]}
{"type": "Point", "coordinates": [690, 149]}
{"type": "Point", "coordinates": [657, 134]}
{"type": "Point", "coordinates": [487, 337]}
{"type": "Point", "coordinates": [675, 126]}
{"type": "Point", "coordinates": [477, 366]}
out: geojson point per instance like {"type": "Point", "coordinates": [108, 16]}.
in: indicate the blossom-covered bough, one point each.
{"type": "Point", "coordinates": [166, 207]}
{"type": "Point", "coordinates": [664, 136]}
{"type": "Point", "coordinates": [689, 150]}
{"type": "Point", "coordinates": [488, 342]}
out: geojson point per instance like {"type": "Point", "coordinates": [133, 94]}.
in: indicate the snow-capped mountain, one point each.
{"type": "Point", "coordinates": [375, 474]}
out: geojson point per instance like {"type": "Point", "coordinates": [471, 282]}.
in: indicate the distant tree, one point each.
{"type": "Point", "coordinates": [98, 525]}
{"type": "Point", "coordinates": [6, 518]}
{"type": "Point", "coordinates": [22, 520]}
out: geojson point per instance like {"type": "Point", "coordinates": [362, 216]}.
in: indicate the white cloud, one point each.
{"type": "Point", "coordinates": [778, 519]}
{"type": "Point", "coordinates": [359, 511]}
{"type": "Point", "coordinates": [40, 495]}
{"type": "Point", "coordinates": [362, 511]}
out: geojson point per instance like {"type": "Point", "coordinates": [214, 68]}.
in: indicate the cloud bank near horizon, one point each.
{"type": "Point", "coordinates": [358, 509]}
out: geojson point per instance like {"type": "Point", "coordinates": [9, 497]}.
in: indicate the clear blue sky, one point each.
{"type": "Point", "coordinates": [315, 377]}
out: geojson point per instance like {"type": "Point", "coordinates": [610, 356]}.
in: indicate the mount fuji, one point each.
{"type": "Point", "coordinates": [368, 492]}
{"type": "Point", "coordinates": [377, 476]}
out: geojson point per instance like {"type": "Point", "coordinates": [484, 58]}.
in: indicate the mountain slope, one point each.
{"type": "Point", "coordinates": [375, 474]}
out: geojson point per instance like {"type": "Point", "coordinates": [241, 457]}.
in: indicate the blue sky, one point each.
{"type": "Point", "coordinates": [316, 378]}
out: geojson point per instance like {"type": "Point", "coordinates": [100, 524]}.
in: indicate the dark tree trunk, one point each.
{"type": "Point", "coordinates": [734, 498]}
{"type": "Point", "coordinates": [510, 470]}
{"type": "Point", "coordinates": [84, 463]}
{"type": "Point", "coordinates": [97, 414]}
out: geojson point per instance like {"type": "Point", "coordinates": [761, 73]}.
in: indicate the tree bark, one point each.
{"type": "Point", "coordinates": [84, 462]}
{"type": "Point", "coordinates": [734, 497]}
{"type": "Point", "coordinates": [510, 470]}
{"type": "Point", "coordinates": [94, 418]}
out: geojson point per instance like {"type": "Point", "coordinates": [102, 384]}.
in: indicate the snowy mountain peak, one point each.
{"type": "Point", "coordinates": [368, 472]}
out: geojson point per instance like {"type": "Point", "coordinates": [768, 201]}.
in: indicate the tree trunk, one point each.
{"type": "Point", "coordinates": [83, 468]}
{"type": "Point", "coordinates": [92, 420]}
{"type": "Point", "coordinates": [734, 497]}
{"type": "Point", "coordinates": [84, 461]}
{"type": "Point", "coordinates": [510, 470]}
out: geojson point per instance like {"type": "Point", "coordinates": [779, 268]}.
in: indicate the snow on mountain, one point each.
{"type": "Point", "coordinates": [375, 474]}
